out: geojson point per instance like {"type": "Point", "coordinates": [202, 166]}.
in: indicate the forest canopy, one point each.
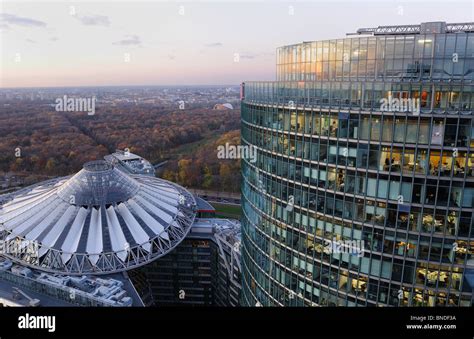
{"type": "Point", "coordinates": [45, 142]}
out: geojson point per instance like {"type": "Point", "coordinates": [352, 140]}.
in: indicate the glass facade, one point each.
{"type": "Point", "coordinates": [333, 164]}
{"type": "Point", "coordinates": [184, 277]}
{"type": "Point", "coordinates": [203, 270]}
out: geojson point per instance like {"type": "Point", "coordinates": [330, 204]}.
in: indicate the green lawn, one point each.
{"type": "Point", "coordinates": [227, 211]}
{"type": "Point", "coordinates": [192, 147]}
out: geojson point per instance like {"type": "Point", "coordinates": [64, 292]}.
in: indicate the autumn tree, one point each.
{"type": "Point", "coordinates": [50, 166]}
{"type": "Point", "coordinates": [225, 173]}
{"type": "Point", "coordinates": [169, 175]}
{"type": "Point", "coordinates": [207, 178]}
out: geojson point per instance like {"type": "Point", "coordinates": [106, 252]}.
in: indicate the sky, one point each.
{"type": "Point", "coordinates": [214, 42]}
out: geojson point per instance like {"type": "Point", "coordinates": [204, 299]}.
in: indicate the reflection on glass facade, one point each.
{"type": "Point", "coordinates": [334, 165]}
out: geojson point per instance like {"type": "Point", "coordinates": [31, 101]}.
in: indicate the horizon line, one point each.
{"type": "Point", "coordinates": [102, 86]}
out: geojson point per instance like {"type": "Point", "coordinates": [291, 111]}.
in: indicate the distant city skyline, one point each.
{"type": "Point", "coordinates": [180, 44]}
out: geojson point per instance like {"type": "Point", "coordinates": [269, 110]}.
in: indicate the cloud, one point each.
{"type": "Point", "coordinates": [215, 44]}
{"type": "Point", "coordinates": [130, 40]}
{"type": "Point", "coordinates": [93, 20]}
{"type": "Point", "coordinates": [11, 19]}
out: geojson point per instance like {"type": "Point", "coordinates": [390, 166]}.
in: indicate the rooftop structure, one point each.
{"type": "Point", "coordinates": [30, 287]}
{"type": "Point", "coordinates": [425, 27]}
{"type": "Point", "coordinates": [130, 163]}
{"type": "Point", "coordinates": [101, 220]}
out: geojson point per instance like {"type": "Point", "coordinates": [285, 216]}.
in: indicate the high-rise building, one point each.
{"type": "Point", "coordinates": [204, 270]}
{"type": "Point", "coordinates": [363, 189]}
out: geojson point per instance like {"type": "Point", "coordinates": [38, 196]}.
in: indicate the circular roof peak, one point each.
{"type": "Point", "coordinates": [98, 183]}
{"type": "Point", "coordinates": [98, 166]}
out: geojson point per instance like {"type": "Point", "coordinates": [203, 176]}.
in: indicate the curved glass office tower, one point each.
{"type": "Point", "coordinates": [362, 191]}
